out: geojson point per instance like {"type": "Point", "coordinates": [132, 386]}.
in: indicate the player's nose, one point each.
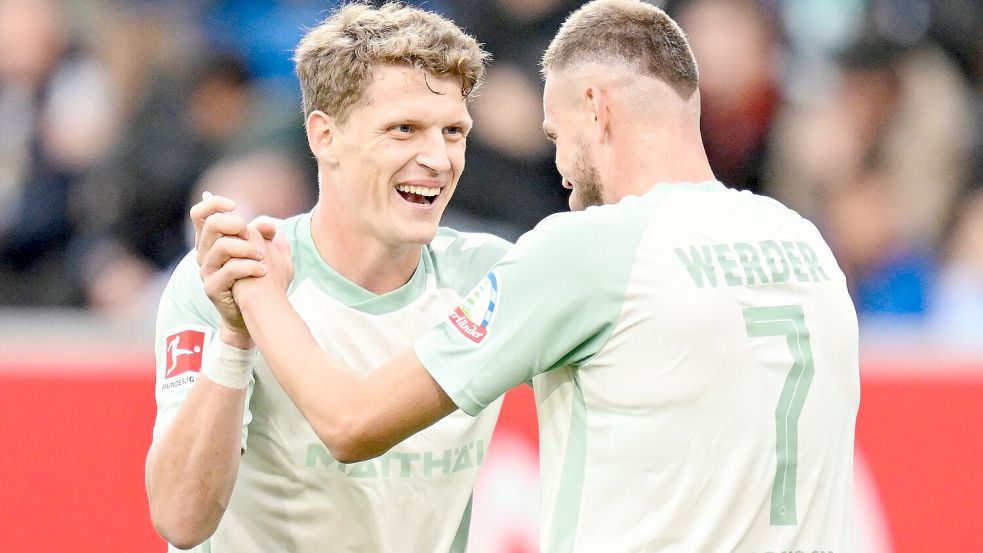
{"type": "Point", "coordinates": [433, 152]}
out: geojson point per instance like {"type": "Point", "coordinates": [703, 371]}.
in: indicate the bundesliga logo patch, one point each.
{"type": "Point", "coordinates": [183, 351]}
{"type": "Point", "coordinates": [472, 317]}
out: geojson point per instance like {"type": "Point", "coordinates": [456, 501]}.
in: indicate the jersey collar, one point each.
{"type": "Point", "coordinates": [309, 264]}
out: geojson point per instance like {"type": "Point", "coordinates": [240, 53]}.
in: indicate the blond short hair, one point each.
{"type": "Point", "coordinates": [335, 60]}
{"type": "Point", "coordinates": [635, 32]}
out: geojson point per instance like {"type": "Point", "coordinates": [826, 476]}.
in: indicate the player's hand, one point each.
{"type": "Point", "coordinates": [213, 220]}
{"type": "Point", "coordinates": [228, 259]}
{"type": "Point", "coordinates": [223, 257]}
{"type": "Point", "coordinates": [276, 260]}
{"type": "Point", "coordinates": [209, 205]}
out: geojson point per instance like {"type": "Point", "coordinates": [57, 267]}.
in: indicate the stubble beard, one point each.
{"type": "Point", "coordinates": [589, 189]}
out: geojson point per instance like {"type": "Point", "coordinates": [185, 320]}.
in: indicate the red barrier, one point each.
{"type": "Point", "coordinates": [75, 428]}
{"type": "Point", "coordinates": [920, 433]}
{"type": "Point", "coordinates": [74, 432]}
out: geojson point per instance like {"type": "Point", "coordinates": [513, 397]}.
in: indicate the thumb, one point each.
{"type": "Point", "coordinates": [266, 229]}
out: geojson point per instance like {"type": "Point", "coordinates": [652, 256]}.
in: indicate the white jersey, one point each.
{"type": "Point", "coordinates": [291, 495]}
{"type": "Point", "coordinates": [694, 354]}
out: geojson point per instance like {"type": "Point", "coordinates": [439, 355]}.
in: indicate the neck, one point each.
{"type": "Point", "coordinates": [651, 153]}
{"type": "Point", "coordinates": [361, 257]}
{"type": "Point", "coordinates": [649, 163]}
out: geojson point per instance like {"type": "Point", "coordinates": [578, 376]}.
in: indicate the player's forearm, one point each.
{"type": "Point", "coordinates": [328, 394]}
{"type": "Point", "coordinates": [192, 468]}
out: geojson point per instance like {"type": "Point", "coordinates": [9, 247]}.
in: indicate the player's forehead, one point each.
{"type": "Point", "coordinates": [549, 106]}
{"type": "Point", "coordinates": [558, 95]}
{"type": "Point", "coordinates": [549, 94]}
{"type": "Point", "coordinates": [411, 91]}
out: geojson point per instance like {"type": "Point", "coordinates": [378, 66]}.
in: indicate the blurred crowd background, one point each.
{"type": "Point", "coordinates": [866, 116]}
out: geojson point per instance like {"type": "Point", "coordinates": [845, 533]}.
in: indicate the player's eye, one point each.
{"type": "Point", "coordinates": [403, 128]}
{"type": "Point", "coordinates": [455, 131]}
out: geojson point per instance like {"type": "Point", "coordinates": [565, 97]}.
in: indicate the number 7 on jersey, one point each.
{"type": "Point", "coordinates": [788, 321]}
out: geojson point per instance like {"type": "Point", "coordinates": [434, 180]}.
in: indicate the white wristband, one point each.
{"type": "Point", "coordinates": [228, 365]}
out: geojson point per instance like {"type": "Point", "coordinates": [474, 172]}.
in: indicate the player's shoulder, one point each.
{"type": "Point", "coordinates": [737, 198]}
{"type": "Point", "coordinates": [185, 275]}
{"type": "Point", "coordinates": [184, 298]}
{"type": "Point", "coordinates": [460, 259]}
{"type": "Point", "coordinates": [769, 209]}
{"type": "Point", "coordinates": [453, 243]}
{"type": "Point", "coordinates": [608, 222]}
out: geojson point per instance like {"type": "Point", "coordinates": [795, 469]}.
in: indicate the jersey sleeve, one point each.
{"type": "Point", "coordinates": [187, 322]}
{"type": "Point", "coordinates": [552, 301]}
{"type": "Point", "coordinates": [461, 259]}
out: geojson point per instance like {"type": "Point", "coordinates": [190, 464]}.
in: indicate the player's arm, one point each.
{"type": "Point", "coordinates": [538, 325]}
{"type": "Point", "coordinates": [357, 417]}
{"type": "Point", "coordinates": [192, 467]}
{"type": "Point", "coordinates": [193, 463]}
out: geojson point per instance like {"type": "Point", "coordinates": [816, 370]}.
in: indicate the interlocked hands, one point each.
{"type": "Point", "coordinates": [237, 261]}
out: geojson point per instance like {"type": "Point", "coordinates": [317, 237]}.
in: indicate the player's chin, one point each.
{"type": "Point", "coordinates": [419, 232]}
{"type": "Point", "coordinates": [574, 202]}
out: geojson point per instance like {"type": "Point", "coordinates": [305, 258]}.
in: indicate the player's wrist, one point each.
{"type": "Point", "coordinates": [236, 338]}
{"type": "Point", "coordinates": [247, 292]}
{"type": "Point", "coordinates": [229, 365]}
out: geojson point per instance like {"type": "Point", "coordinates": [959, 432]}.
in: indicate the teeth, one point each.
{"type": "Point", "coordinates": [421, 190]}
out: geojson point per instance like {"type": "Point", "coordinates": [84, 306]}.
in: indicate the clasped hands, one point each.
{"type": "Point", "coordinates": [238, 262]}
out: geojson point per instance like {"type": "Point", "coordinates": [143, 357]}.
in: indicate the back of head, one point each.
{"type": "Point", "coordinates": [633, 32]}
{"type": "Point", "coordinates": [334, 61]}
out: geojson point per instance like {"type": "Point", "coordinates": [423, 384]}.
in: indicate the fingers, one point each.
{"type": "Point", "coordinates": [280, 243]}
{"type": "Point", "coordinates": [209, 204]}
{"type": "Point", "coordinates": [227, 248]}
{"type": "Point", "coordinates": [265, 235]}
{"type": "Point", "coordinates": [220, 281]}
{"type": "Point", "coordinates": [266, 229]}
{"type": "Point", "coordinates": [275, 250]}
{"type": "Point", "coordinates": [215, 227]}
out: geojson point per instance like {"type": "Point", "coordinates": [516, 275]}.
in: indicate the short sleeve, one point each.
{"type": "Point", "coordinates": [186, 324]}
{"type": "Point", "coordinates": [461, 259]}
{"type": "Point", "coordinates": [552, 301]}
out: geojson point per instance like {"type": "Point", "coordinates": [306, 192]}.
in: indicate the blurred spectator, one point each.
{"type": "Point", "coordinates": [263, 32]}
{"type": "Point", "coordinates": [510, 182]}
{"type": "Point", "coordinates": [110, 110]}
{"type": "Point", "coordinates": [134, 205]}
{"type": "Point", "coordinates": [262, 182]}
{"type": "Point", "coordinates": [908, 107]}
{"type": "Point", "coordinates": [738, 46]}
{"type": "Point", "coordinates": [888, 275]}
{"type": "Point", "coordinates": [958, 308]}
{"type": "Point", "coordinates": [57, 117]}
{"type": "Point", "coordinates": [133, 210]}
{"type": "Point", "coordinates": [879, 164]}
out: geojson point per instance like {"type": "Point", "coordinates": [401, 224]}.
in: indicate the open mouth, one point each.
{"type": "Point", "coordinates": [420, 195]}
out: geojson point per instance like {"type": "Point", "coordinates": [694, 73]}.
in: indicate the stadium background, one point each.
{"type": "Point", "coordinates": [864, 115]}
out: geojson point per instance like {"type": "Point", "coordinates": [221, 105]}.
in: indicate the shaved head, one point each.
{"type": "Point", "coordinates": [632, 32]}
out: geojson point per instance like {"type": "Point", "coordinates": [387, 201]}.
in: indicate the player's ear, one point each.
{"type": "Point", "coordinates": [596, 101]}
{"type": "Point", "coordinates": [321, 131]}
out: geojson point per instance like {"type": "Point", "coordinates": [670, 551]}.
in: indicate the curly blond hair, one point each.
{"type": "Point", "coordinates": [334, 60]}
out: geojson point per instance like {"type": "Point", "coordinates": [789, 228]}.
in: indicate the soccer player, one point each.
{"type": "Point", "coordinates": [233, 460]}
{"type": "Point", "coordinates": [693, 348]}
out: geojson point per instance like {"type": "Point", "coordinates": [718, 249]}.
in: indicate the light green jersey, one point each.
{"type": "Point", "coordinates": [291, 495]}
{"type": "Point", "coordinates": [694, 354]}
